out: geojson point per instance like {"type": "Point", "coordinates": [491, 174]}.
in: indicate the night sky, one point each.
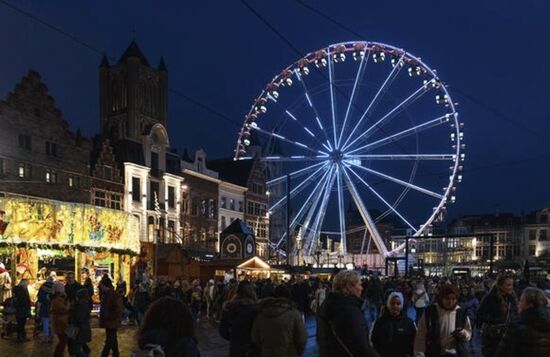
{"type": "Point", "coordinates": [494, 55]}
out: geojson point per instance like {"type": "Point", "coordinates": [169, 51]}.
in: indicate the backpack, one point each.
{"type": "Point", "coordinates": [149, 351]}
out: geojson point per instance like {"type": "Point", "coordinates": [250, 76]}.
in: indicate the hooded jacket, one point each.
{"type": "Point", "coordinates": [279, 330]}
{"type": "Point", "coordinates": [342, 329]}
{"type": "Point", "coordinates": [236, 326]}
{"type": "Point", "coordinates": [393, 336]}
{"type": "Point", "coordinates": [528, 337]}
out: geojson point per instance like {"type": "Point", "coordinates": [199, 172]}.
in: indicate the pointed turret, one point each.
{"type": "Point", "coordinates": [134, 51]}
{"type": "Point", "coordinates": [162, 65]}
{"type": "Point", "coordinates": [104, 61]}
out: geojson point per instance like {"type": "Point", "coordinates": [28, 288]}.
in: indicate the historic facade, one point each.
{"type": "Point", "coordinates": [39, 156]}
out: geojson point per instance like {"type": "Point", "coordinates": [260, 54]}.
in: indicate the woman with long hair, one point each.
{"type": "Point", "coordinates": [237, 319]}
{"type": "Point", "coordinates": [168, 325]}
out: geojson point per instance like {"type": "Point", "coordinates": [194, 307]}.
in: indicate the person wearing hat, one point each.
{"type": "Point", "coordinates": [393, 333]}
{"type": "Point", "coordinates": [444, 328]}
{"type": "Point", "coordinates": [110, 316]}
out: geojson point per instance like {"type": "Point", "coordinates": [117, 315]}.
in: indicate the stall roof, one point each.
{"type": "Point", "coordinates": [254, 263]}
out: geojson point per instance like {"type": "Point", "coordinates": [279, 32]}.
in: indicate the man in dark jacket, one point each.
{"type": "Point", "coordinates": [300, 294]}
{"type": "Point", "coordinates": [110, 316]}
{"type": "Point", "coordinates": [341, 327]}
{"type": "Point", "coordinates": [530, 335]}
{"type": "Point", "coordinates": [71, 287]}
{"type": "Point", "coordinates": [393, 333]}
{"type": "Point", "coordinates": [22, 308]}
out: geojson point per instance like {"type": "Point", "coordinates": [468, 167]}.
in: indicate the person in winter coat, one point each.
{"type": "Point", "coordinates": [59, 315]}
{"type": "Point", "coordinates": [444, 328]}
{"type": "Point", "coordinates": [393, 333]}
{"type": "Point", "coordinates": [5, 284]}
{"type": "Point", "coordinates": [374, 294]}
{"type": "Point", "coordinates": [44, 297]}
{"type": "Point", "coordinates": [79, 317]}
{"type": "Point", "coordinates": [530, 335]}
{"type": "Point", "coordinates": [142, 299]}
{"type": "Point", "coordinates": [110, 316]}
{"type": "Point", "coordinates": [90, 287]}
{"type": "Point", "coordinates": [300, 294]}
{"type": "Point", "coordinates": [341, 327]}
{"type": "Point", "coordinates": [237, 319]}
{"type": "Point", "coordinates": [22, 308]}
{"type": "Point", "coordinates": [496, 310]}
{"type": "Point", "coordinates": [420, 300]}
{"type": "Point", "coordinates": [168, 324]}
{"type": "Point", "coordinates": [72, 287]}
{"type": "Point", "coordinates": [279, 329]}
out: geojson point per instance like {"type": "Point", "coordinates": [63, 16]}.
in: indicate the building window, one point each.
{"type": "Point", "coordinates": [100, 199]}
{"type": "Point", "coordinates": [51, 148]}
{"type": "Point", "coordinates": [24, 170]}
{"type": "Point", "coordinates": [136, 189]}
{"type": "Point", "coordinates": [25, 141]}
{"type": "Point", "coordinates": [222, 202]}
{"type": "Point", "coordinates": [543, 234]}
{"type": "Point", "coordinates": [532, 234]}
{"type": "Point", "coordinates": [74, 181]}
{"type": "Point", "coordinates": [211, 208]}
{"type": "Point", "coordinates": [171, 231]}
{"type": "Point", "coordinates": [116, 201]}
{"type": "Point", "coordinates": [250, 208]}
{"type": "Point", "coordinates": [51, 176]}
{"type": "Point", "coordinates": [532, 250]}
{"type": "Point", "coordinates": [223, 223]}
{"type": "Point", "coordinates": [543, 218]}
{"type": "Point", "coordinates": [171, 197]}
{"type": "Point", "coordinates": [232, 204]}
{"type": "Point", "coordinates": [2, 166]}
{"type": "Point", "coordinates": [240, 206]}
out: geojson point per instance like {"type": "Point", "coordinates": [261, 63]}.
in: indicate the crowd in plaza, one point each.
{"type": "Point", "coordinates": [355, 315]}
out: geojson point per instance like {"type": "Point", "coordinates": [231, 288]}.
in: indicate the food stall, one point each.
{"type": "Point", "coordinates": [39, 236]}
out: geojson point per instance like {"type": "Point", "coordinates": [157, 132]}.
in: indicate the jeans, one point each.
{"type": "Point", "coordinates": [46, 327]}
{"type": "Point", "coordinates": [111, 343]}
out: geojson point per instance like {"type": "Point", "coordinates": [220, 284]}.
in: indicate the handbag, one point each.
{"type": "Point", "coordinates": [71, 331]}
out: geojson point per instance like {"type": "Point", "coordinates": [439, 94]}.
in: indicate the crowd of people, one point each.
{"type": "Point", "coordinates": [354, 315]}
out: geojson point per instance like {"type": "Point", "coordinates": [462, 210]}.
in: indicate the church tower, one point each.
{"type": "Point", "coordinates": [133, 96]}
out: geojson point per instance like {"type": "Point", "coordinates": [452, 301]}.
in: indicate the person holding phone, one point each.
{"type": "Point", "coordinates": [444, 328]}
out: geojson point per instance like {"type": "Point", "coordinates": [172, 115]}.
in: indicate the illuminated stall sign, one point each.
{"type": "Point", "coordinates": [54, 223]}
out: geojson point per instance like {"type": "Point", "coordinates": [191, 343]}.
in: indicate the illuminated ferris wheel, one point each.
{"type": "Point", "coordinates": [359, 127]}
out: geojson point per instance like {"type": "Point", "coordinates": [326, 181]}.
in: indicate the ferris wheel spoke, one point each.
{"type": "Point", "coordinates": [392, 113]}
{"type": "Point", "coordinates": [321, 213]}
{"type": "Point", "coordinates": [403, 134]}
{"type": "Point", "coordinates": [307, 203]}
{"type": "Point", "coordinates": [332, 102]}
{"type": "Point", "coordinates": [300, 187]}
{"type": "Point", "coordinates": [282, 138]}
{"type": "Point", "coordinates": [402, 156]}
{"type": "Point", "coordinates": [360, 72]}
{"type": "Point", "coordinates": [381, 198]}
{"type": "Point", "coordinates": [343, 244]}
{"type": "Point", "coordinates": [378, 96]}
{"type": "Point", "coordinates": [314, 109]}
{"type": "Point", "coordinates": [371, 227]}
{"type": "Point", "coordinates": [293, 174]}
{"type": "Point", "coordinates": [400, 182]}
{"type": "Point", "coordinates": [294, 158]}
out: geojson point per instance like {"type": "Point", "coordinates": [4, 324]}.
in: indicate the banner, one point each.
{"type": "Point", "coordinates": [53, 223]}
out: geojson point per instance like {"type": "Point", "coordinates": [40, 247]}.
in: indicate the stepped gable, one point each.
{"type": "Point", "coordinates": [30, 96]}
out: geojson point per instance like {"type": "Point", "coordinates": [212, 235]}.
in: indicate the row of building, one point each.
{"type": "Point", "coordinates": [129, 165]}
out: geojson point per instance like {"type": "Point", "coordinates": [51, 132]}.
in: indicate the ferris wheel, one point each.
{"type": "Point", "coordinates": [361, 129]}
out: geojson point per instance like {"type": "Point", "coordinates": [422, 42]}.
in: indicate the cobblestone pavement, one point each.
{"type": "Point", "coordinates": [210, 342]}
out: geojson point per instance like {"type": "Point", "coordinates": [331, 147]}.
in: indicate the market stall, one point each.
{"type": "Point", "coordinates": [39, 236]}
